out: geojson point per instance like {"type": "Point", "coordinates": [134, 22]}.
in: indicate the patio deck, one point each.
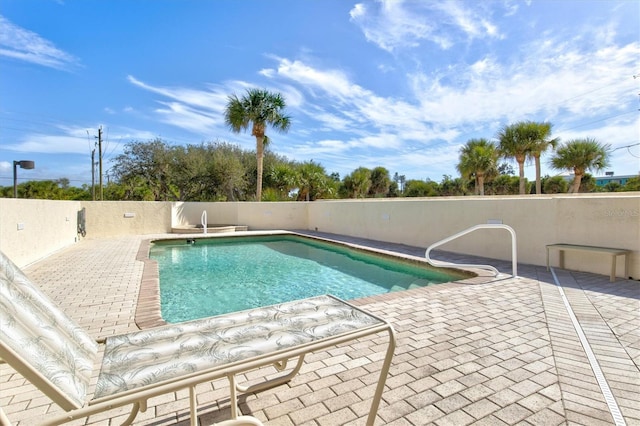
{"type": "Point", "coordinates": [499, 352]}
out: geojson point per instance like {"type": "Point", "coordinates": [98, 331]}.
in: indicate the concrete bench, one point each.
{"type": "Point", "coordinates": [613, 252]}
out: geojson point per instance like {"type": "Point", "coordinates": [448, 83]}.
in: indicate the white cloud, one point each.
{"type": "Point", "coordinates": [201, 111]}
{"type": "Point", "coordinates": [181, 115]}
{"type": "Point", "coordinates": [391, 26]}
{"type": "Point", "coordinates": [400, 24]}
{"type": "Point", "coordinates": [212, 99]}
{"type": "Point", "coordinates": [25, 45]}
{"type": "Point", "coordinates": [332, 122]}
{"type": "Point", "coordinates": [464, 18]}
{"type": "Point", "coordinates": [77, 140]}
{"type": "Point", "coordinates": [556, 78]}
{"type": "Point", "coordinates": [333, 81]}
{"type": "Point", "coordinates": [553, 78]}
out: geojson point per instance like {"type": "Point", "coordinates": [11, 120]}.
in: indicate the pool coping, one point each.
{"type": "Point", "coordinates": [149, 312]}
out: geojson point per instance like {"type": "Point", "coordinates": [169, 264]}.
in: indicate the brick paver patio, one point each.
{"type": "Point", "coordinates": [500, 352]}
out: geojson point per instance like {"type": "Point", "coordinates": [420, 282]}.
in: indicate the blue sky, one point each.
{"type": "Point", "coordinates": [398, 84]}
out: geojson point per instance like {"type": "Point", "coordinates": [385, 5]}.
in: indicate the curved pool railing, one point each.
{"type": "Point", "coordinates": [514, 254]}
{"type": "Point", "coordinates": [204, 221]}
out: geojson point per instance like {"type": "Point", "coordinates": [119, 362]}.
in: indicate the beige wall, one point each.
{"type": "Point", "coordinates": [607, 220]}
{"type": "Point", "coordinates": [116, 218]}
{"type": "Point", "coordinates": [217, 213]}
{"type": "Point", "coordinates": [289, 215]}
{"type": "Point", "coordinates": [292, 215]}
{"type": "Point", "coordinates": [32, 229]}
{"type": "Point", "coordinates": [423, 222]}
{"type": "Point", "coordinates": [611, 219]}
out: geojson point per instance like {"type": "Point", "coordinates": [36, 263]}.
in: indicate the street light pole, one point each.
{"type": "Point", "coordinates": [100, 160]}
{"type": "Point", "coordinates": [24, 164]}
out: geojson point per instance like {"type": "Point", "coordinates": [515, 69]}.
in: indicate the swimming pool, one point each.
{"type": "Point", "coordinates": [218, 275]}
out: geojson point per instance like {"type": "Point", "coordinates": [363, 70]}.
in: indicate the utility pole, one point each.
{"type": "Point", "coordinates": [93, 175]}
{"type": "Point", "coordinates": [100, 160]}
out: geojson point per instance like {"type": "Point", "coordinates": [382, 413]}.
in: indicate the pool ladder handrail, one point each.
{"type": "Point", "coordinates": [514, 254]}
{"type": "Point", "coordinates": [203, 220]}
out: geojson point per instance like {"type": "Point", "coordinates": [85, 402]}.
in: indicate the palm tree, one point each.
{"type": "Point", "coordinates": [540, 141]}
{"type": "Point", "coordinates": [313, 182]}
{"type": "Point", "coordinates": [357, 183]}
{"type": "Point", "coordinates": [380, 182]}
{"type": "Point", "coordinates": [259, 108]}
{"type": "Point", "coordinates": [478, 159]}
{"type": "Point", "coordinates": [580, 155]}
{"type": "Point", "coordinates": [515, 143]}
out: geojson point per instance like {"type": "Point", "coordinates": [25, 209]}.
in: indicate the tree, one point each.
{"type": "Point", "coordinates": [452, 187]}
{"type": "Point", "coordinates": [258, 108]}
{"type": "Point", "coordinates": [506, 185]}
{"type": "Point", "coordinates": [580, 155]}
{"type": "Point", "coordinates": [313, 182]}
{"type": "Point", "coordinates": [188, 165]}
{"type": "Point", "coordinates": [633, 184]}
{"type": "Point", "coordinates": [478, 159]}
{"type": "Point", "coordinates": [539, 135]}
{"type": "Point", "coordinates": [554, 185]}
{"type": "Point", "coordinates": [380, 182]}
{"type": "Point", "coordinates": [146, 164]}
{"type": "Point", "coordinates": [506, 169]}
{"type": "Point", "coordinates": [515, 143]}
{"type": "Point", "coordinates": [613, 187]}
{"type": "Point", "coordinates": [399, 180]}
{"type": "Point", "coordinates": [282, 178]}
{"type": "Point", "coordinates": [420, 188]}
{"type": "Point", "coordinates": [357, 184]}
{"type": "Point", "coordinates": [588, 184]}
{"type": "Point", "coordinates": [394, 191]}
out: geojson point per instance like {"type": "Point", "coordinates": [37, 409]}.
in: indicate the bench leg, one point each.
{"type": "Point", "coordinates": [547, 258]}
{"type": "Point", "coordinates": [612, 278]}
{"type": "Point", "coordinates": [626, 266]}
{"type": "Point", "coordinates": [561, 259]}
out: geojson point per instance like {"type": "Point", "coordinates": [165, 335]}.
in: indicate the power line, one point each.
{"type": "Point", "coordinates": [41, 132]}
{"type": "Point", "coordinates": [595, 121]}
{"type": "Point", "coordinates": [632, 154]}
{"type": "Point", "coordinates": [626, 146]}
{"type": "Point", "coordinates": [592, 91]}
{"type": "Point", "coordinates": [27, 179]}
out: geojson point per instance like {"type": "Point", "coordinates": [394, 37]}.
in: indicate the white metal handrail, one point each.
{"type": "Point", "coordinates": [514, 254]}
{"type": "Point", "coordinates": [204, 221]}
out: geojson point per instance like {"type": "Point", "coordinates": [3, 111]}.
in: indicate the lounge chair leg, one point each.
{"type": "Point", "coordinates": [134, 412]}
{"type": "Point", "coordinates": [193, 411]}
{"type": "Point", "coordinates": [4, 420]}
{"type": "Point", "coordinates": [275, 381]}
{"type": "Point", "coordinates": [384, 372]}
{"type": "Point", "coordinates": [233, 395]}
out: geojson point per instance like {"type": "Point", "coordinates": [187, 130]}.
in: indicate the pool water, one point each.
{"type": "Point", "coordinates": [220, 275]}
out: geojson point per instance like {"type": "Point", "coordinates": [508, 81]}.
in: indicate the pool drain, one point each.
{"type": "Point", "coordinates": [593, 361]}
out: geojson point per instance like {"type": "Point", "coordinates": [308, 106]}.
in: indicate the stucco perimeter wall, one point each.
{"type": "Point", "coordinates": [32, 229]}
{"type": "Point", "coordinates": [610, 220]}
{"type": "Point", "coordinates": [278, 215]}
{"type": "Point", "coordinates": [189, 214]}
{"type": "Point", "coordinates": [599, 221]}
{"type": "Point", "coordinates": [106, 219]}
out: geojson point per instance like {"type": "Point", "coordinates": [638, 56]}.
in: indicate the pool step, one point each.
{"type": "Point", "coordinates": [409, 286]}
{"type": "Point", "coordinates": [211, 229]}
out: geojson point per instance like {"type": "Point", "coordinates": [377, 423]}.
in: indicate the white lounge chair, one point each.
{"type": "Point", "coordinates": [50, 350]}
